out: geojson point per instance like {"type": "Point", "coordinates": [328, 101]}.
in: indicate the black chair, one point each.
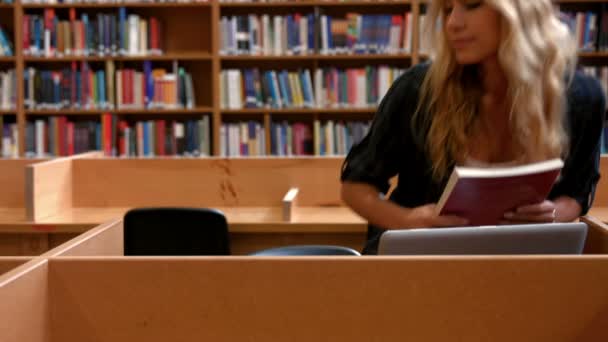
{"type": "Point", "coordinates": [175, 231]}
{"type": "Point", "coordinates": [307, 250]}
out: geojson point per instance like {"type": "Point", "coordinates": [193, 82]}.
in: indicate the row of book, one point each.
{"type": "Point", "coordinates": [8, 89]}
{"type": "Point", "coordinates": [248, 138]}
{"type": "Point", "coordinates": [329, 88]}
{"type": "Point", "coordinates": [590, 34]}
{"type": "Point", "coordinates": [300, 34]}
{"type": "Point", "coordinates": [52, 2]}
{"type": "Point", "coordinates": [127, 88]}
{"type": "Point", "coordinates": [6, 43]}
{"type": "Point", "coordinates": [99, 34]}
{"type": "Point", "coordinates": [9, 139]}
{"type": "Point", "coordinates": [59, 136]}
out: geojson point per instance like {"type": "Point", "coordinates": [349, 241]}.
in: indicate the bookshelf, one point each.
{"type": "Point", "coordinates": [193, 38]}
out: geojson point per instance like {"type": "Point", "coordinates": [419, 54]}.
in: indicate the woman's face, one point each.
{"type": "Point", "coordinates": [472, 29]}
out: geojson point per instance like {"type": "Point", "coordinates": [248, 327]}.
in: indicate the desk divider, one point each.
{"type": "Point", "coordinates": [24, 294]}
{"type": "Point", "coordinates": [528, 298]}
{"type": "Point", "coordinates": [12, 182]}
{"type": "Point", "coordinates": [601, 192]}
{"type": "Point", "coordinates": [104, 240]}
{"type": "Point", "coordinates": [597, 236]}
{"type": "Point", "coordinates": [208, 182]}
{"type": "Point", "coordinates": [8, 263]}
{"type": "Point", "coordinates": [49, 186]}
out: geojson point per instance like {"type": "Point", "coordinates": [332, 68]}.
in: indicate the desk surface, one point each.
{"type": "Point", "coordinates": [240, 219]}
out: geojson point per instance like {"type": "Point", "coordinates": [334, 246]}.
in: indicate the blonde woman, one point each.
{"type": "Point", "coordinates": [500, 90]}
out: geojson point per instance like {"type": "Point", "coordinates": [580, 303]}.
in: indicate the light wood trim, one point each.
{"type": "Point", "coordinates": [24, 295]}
{"type": "Point", "coordinates": [8, 263]}
{"type": "Point", "coordinates": [104, 240]}
{"type": "Point", "coordinates": [289, 203]}
{"type": "Point", "coordinates": [48, 189]}
{"type": "Point", "coordinates": [597, 236]}
{"type": "Point", "coordinates": [347, 298]}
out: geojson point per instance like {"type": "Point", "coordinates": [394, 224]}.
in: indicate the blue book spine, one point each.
{"type": "Point", "coordinates": [146, 138]}
{"type": "Point", "coordinates": [330, 42]}
{"type": "Point", "coordinates": [101, 87]}
{"type": "Point", "coordinates": [149, 83]}
{"type": "Point", "coordinates": [85, 23]}
{"type": "Point", "coordinates": [311, 33]}
{"type": "Point", "coordinates": [122, 29]}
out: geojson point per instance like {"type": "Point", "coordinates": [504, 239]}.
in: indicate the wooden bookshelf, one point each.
{"type": "Point", "coordinates": [191, 35]}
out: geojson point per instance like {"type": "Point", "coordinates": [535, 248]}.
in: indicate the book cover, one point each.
{"type": "Point", "coordinates": [483, 195]}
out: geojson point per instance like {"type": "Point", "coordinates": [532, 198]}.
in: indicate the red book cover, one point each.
{"type": "Point", "coordinates": [484, 195]}
{"type": "Point", "coordinates": [122, 126]}
{"type": "Point", "coordinates": [160, 137]}
{"type": "Point", "coordinates": [26, 34]}
{"type": "Point", "coordinates": [106, 129]}
{"type": "Point", "coordinates": [70, 138]}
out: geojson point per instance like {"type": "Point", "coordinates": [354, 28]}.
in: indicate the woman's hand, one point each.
{"type": "Point", "coordinates": [540, 212]}
{"type": "Point", "coordinates": [425, 217]}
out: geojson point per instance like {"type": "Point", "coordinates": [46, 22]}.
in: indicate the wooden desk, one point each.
{"type": "Point", "coordinates": [251, 228]}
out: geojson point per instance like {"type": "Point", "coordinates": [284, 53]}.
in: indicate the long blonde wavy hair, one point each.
{"type": "Point", "coordinates": [536, 53]}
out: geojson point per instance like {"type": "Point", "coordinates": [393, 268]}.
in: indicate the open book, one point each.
{"type": "Point", "coordinates": [483, 195]}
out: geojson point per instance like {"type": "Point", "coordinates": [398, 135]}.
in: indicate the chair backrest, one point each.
{"type": "Point", "coordinates": [307, 250]}
{"type": "Point", "coordinates": [176, 231]}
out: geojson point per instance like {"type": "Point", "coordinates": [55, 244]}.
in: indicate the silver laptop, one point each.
{"type": "Point", "coordinates": [546, 238]}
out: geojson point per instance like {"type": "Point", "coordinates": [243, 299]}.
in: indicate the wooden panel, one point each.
{"type": "Point", "coordinates": [48, 188]}
{"type": "Point", "coordinates": [9, 263]}
{"type": "Point", "coordinates": [330, 299]}
{"type": "Point", "coordinates": [21, 244]}
{"type": "Point", "coordinates": [12, 182]}
{"type": "Point", "coordinates": [205, 182]}
{"type": "Point", "coordinates": [24, 312]}
{"type": "Point", "coordinates": [597, 236]}
{"type": "Point", "coordinates": [601, 194]}
{"type": "Point", "coordinates": [107, 239]}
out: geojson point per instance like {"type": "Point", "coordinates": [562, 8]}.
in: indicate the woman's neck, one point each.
{"type": "Point", "coordinates": [493, 78]}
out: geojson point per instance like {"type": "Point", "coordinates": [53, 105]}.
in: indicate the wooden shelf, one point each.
{"type": "Point", "coordinates": [120, 4]}
{"type": "Point", "coordinates": [245, 58]}
{"type": "Point", "coordinates": [196, 110]}
{"type": "Point", "coordinates": [7, 112]}
{"type": "Point", "coordinates": [167, 57]}
{"type": "Point", "coordinates": [299, 111]}
{"type": "Point", "coordinates": [5, 59]}
{"type": "Point", "coordinates": [315, 3]}
{"type": "Point", "coordinates": [601, 54]}
{"type": "Point", "coordinates": [2, 5]}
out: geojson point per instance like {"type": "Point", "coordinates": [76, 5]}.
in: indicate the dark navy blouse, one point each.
{"type": "Point", "coordinates": [395, 145]}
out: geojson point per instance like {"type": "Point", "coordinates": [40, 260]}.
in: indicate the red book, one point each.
{"type": "Point", "coordinates": [484, 195]}
{"type": "Point", "coordinates": [70, 138]}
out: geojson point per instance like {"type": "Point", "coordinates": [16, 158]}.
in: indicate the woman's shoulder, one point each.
{"type": "Point", "coordinates": [585, 97]}
{"type": "Point", "coordinates": [413, 77]}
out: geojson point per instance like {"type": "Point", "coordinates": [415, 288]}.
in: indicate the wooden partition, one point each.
{"type": "Point", "coordinates": [24, 294]}
{"type": "Point", "coordinates": [9, 263]}
{"type": "Point", "coordinates": [76, 194]}
{"type": "Point", "coordinates": [329, 299]}
{"type": "Point", "coordinates": [600, 204]}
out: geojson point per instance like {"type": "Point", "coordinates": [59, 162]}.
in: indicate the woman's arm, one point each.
{"type": "Point", "coordinates": [366, 201]}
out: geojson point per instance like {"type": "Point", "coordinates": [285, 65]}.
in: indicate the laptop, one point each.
{"type": "Point", "coordinates": [545, 238]}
